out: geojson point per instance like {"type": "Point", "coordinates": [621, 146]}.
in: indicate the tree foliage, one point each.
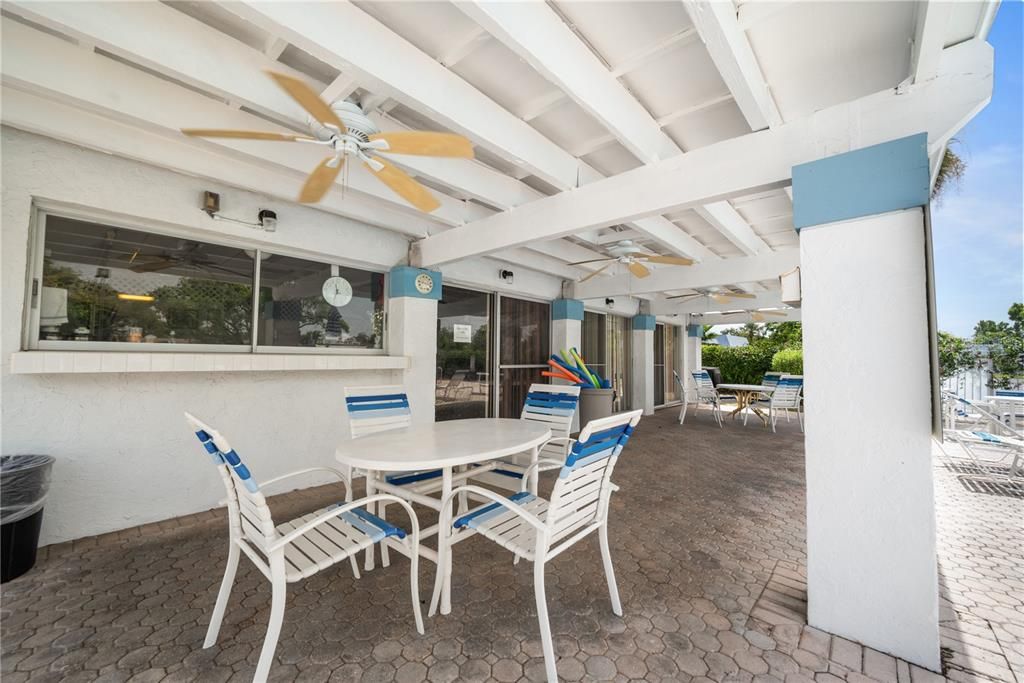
{"type": "Point", "coordinates": [789, 361]}
{"type": "Point", "coordinates": [1003, 343]}
{"type": "Point", "coordinates": [951, 172]}
{"type": "Point", "coordinates": [956, 354]}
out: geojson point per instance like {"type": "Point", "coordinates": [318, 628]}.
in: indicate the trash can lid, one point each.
{"type": "Point", "coordinates": [20, 463]}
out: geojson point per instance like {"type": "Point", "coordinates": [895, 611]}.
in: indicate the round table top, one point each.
{"type": "Point", "coordinates": [442, 444]}
{"type": "Point", "coordinates": [746, 387]}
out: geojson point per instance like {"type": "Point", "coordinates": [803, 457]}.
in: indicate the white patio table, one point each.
{"type": "Point", "coordinates": [474, 446]}
{"type": "Point", "coordinates": [746, 397]}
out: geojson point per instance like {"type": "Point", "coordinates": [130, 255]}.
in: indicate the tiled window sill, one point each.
{"type": "Point", "coordinates": [81, 362]}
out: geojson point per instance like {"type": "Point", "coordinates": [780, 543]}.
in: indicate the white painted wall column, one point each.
{"type": "Point", "coordinates": [692, 339]}
{"type": "Point", "coordinates": [642, 389]}
{"type": "Point", "coordinates": [567, 333]}
{"type": "Point", "coordinates": [872, 573]}
{"type": "Point", "coordinates": [412, 332]}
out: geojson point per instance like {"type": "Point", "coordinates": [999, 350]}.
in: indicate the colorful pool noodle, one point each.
{"type": "Point", "coordinates": [583, 366]}
{"type": "Point", "coordinates": [562, 373]}
{"type": "Point", "coordinates": [570, 360]}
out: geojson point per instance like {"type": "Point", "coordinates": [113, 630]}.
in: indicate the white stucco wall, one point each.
{"type": "Point", "coordinates": [872, 573]}
{"type": "Point", "coordinates": [124, 455]}
{"type": "Point", "coordinates": [642, 378]}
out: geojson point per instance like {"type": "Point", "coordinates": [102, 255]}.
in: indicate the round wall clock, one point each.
{"type": "Point", "coordinates": [337, 291]}
{"type": "Point", "coordinates": [424, 283]}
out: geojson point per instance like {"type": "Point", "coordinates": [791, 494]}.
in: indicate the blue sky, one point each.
{"type": "Point", "coordinates": [978, 227]}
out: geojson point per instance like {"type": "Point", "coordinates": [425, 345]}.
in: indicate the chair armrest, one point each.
{"type": "Point", "coordinates": [517, 509]}
{"type": "Point", "coordinates": [341, 477]}
{"type": "Point", "coordinates": [537, 465]}
{"type": "Point", "coordinates": [568, 440]}
{"type": "Point", "coordinates": [328, 515]}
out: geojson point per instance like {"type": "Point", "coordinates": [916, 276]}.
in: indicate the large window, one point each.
{"type": "Point", "coordinates": [463, 384]}
{"type": "Point", "coordinates": [99, 286]}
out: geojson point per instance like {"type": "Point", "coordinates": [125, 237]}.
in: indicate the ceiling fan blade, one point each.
{"type": "Point", "coordinates": [637, 269]}
{"type": "Point", "coordinates": [242, 134]}
{"type": "Point", "coordinates": [757, 317]}
{"type": "Point", "coordinates": [320, 180]}
{"type": "Point", "coordinates": [594, 260]}
{"type": "Point", "coordinates": [404, 185]}
{"type": "Point", "coordinates": [740, 295]}
{"type": "Point", "coordinates": [684, 296]}
{"type": "Point", "coordinates": [720, 298]}
{"type": "Point", "coordinates": [596, 272]}
{"type": "Point", "coordinates": [309, 100]}
{"type": "Point", "coordinates": [781, 313]}
{"type": "Point", "coordinates": [426, 144]}
{"type": "Point", "coordinates": [669, 260]}
{"type": "Point", "coordinates": [154, 266]}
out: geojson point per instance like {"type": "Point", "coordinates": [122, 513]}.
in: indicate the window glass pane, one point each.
{"type": "Point", "coordinates": [463, 384]}
{"type": "Point", "coordinates": [311, 304]}
{"type": "Point", "coordinates": [110, 284]}
{"type": "Point", "coordinates": [593, 345]}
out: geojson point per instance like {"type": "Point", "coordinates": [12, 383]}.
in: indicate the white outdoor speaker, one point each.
{"type": "Point", "coordinates": [790, 283]}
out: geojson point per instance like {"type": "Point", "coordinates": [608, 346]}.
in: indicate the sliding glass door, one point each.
{"type": "Point", "coordinates": [659, 365]}
{"type": "Point", "coordinates": [463, 384]}
{"type": "Point", "coordinates": [524, 346]}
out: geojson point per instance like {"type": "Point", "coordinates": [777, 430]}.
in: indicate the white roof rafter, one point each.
{"type": "Point", "coordinates": [730, 50]}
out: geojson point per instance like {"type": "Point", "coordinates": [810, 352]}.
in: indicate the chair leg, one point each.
{"type": "Point", "coordinates": [609, 571]}
{"type": "Point", "coordinates": [443, 551]}
{"type": "Point", "coordinates": [414, 586]}
{"type": "Point", "coordinates": [348, 499]}
{"type": "Point", "coordinates": [222, 597]}
{"type": "Point", "coordinates": [682, 412]}
{"type": "Point", "coordinates": [385, 559]}
{"type": "Point", "coordinates": [545, 625]}
{"type": "Point", "coordinates": [278, 593]}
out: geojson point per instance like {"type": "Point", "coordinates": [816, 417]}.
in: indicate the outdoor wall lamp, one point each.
{"type": "Point", "coordinates": [506, 275]}
{"type": "Point", "coordinates": [265, 220]}
{"type": "Point", "coordinates": [610, 303]}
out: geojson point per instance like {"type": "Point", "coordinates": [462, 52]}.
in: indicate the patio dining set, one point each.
{"type": "Point", "coordinates": [778, 394]}
{"type": "Point", "coordinates": [436, 465]}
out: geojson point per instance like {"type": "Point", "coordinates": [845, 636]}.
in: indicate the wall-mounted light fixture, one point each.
{"type": "Point", "coordinates": [610, 303]}
{"type": "Point", "coordinates": [265, 219]}
{"type": "Point", "coordinates": [506, 275]}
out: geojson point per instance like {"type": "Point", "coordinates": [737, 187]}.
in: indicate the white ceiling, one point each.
{"type": "Point", "coordinates": [812, 54]}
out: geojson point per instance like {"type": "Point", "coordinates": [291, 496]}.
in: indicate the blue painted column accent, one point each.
{"type": "Point", "coordinates": [695, 331]}
{"type": "Point", "coordinates": [567, 309]}
{"type": "Point", "coordinates": [643, 321]}
{"type": "Point", "coordinates": [887, 177]}
{"type": "Point", "coordinates": [402, 283]}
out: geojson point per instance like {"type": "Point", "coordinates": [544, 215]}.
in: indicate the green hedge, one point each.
{"type": "Point", "coordinates": [739, 364]}
{"type": "Point", "coordinates": [790, 361]}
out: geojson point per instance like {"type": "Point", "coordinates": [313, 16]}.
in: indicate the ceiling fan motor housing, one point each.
{"type": "Point", "coordinates": [358, 123]}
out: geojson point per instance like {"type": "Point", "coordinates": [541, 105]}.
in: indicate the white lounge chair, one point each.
{"type": "Point", "coordinates": [706, 395]}
{"type": "Point", "coordinates": [538, 530]}
{"type": "Point", "coordinates": [289, 552]}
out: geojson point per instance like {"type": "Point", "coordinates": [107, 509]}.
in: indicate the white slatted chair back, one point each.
{"type": "Point", "coordinates": [553, 406]}
{"type": "Point", "coordinates": [787, 391]}
{"type": "Point", "coordinates": [248, 513]}
{"type": "Point", "coordinates": [582, 489]}
{"type": "Point", "coordinates": [705, 387]}
{"type": "Point", "coordinates": [376, 409]}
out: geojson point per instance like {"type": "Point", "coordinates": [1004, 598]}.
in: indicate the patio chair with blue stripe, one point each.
{"type": "Point", "coordinates": [554, 406]}
{"type": "Point", "coordinates": [788, 395]}
{"type": "Point", "coordinates": [707, 395]}
{"type": "Point", "coordinates": [539, 530]}
{"type": "Point", "coordinates": [376, 409]}
{"type": "Point", "coordinates": [289, 552]}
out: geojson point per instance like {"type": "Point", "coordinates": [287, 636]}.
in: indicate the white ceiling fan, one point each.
{"type": "Point", "coordinates": [345, 130]}
{"type": "Point", "coordinates": [633, 256]}
{"type": "Point", "coordinates": [759, 316]}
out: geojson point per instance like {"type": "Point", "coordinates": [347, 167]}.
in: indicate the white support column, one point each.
{"type": "Point", "coordinates": [692, 339]}
{"type": "Point", "coordinates": [642, 390]}
{"type": "Point", "coordinates": [567, 333]}
{"type": "Point", "coordinates": [871, 572]}
{"type": "Point", "coordinates": [412, 332]}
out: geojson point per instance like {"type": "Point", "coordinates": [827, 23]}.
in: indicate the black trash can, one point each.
{"type": "Point", "coordinates": [24, 482]}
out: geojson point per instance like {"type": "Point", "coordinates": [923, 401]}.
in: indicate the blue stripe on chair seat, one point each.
{"type": "Point", "coordinates": [540, 397]}
{"type": "Point", "coordinates": [509, 473]}
{"type": "Point", "coordinates": [371, 525]}
{"type": "Point", "coordinates": [985, 436]}
{"type": "Point", "coordinates": [473, 519]}
{"type": "Point", "coordinates": [375, 399]}
{"type": "Point", "coordinates": [403, 479]}
{"type": "Point", "coordinates": [380, 405]}
{"type": "Point", "coordinates": [598, 442]}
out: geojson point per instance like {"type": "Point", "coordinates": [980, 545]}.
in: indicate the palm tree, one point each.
{"type": "Point", "coordinates": [951, 171]}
